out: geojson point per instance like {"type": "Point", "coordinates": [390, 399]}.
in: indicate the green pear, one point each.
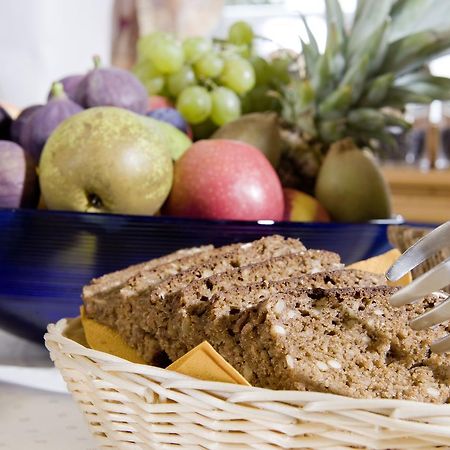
{"type": "Point", "coordinates": [106, 159]}
{"type": "Point", "coordinates": [258, 129]}
{"type": "Point", "coordinates": [177, 141]}
{"type": "Point", "coordinates": [351, 186]}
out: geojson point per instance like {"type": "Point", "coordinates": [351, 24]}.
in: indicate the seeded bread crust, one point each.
{"type": "Point", "coordinates": [141, 308]}
{"type": "Point", "coordinates": [100, 295]}
{"type": "Point", "coordinates": [342, 341]}
{"type": "Point", "coordinates": [181, 327]}
{"type": "Point", "coordinates": [212, 320]}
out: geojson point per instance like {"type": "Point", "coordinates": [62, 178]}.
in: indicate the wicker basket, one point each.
{"type": "Point", "coordinates": [134, 406]}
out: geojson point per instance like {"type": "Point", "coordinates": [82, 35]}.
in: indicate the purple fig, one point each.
{"type": "Point", "coordinates": [18, 180]}
{"type": "Point", "coordinates": [70, 85]}
{"type": "Point", "coordinates": [5, 124]}
{"type": "Point", "coordinates": [112, 87]}
{"type": "Point", "coordinates": [45, 119]}
{"type": "Point", "coordinates": [19, 123]}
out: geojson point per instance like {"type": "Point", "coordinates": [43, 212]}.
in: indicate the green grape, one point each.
{"type": "Point", "coordinates": [209, 66]}
{"type": "Point", "coordinates": [195, 47]}
{"type": "Point", "coordinates": [226, 106]}
{"type": "Point", "coordinates": [279, 69]}
{"type": "Point", "coordinates": [176, 82]}
{"type": "Point", "coordinates": [262, 70]}
{"type": "Point", "coordinates": [194, 104]}
{"type": "Point", "coordinates": [150, 77]}
{"type": "Point", "coordinates": [145, 43]}
{"type": "Point", "coordinates": [240, 33]}
{"type": "Point", "coordinates": [259, 100]}
{"type": "Point", "coordinates": [238, 75]}
{"type": "Point", "coordinates": [167, 54]}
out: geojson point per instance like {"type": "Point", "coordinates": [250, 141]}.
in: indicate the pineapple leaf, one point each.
{"type": "Point", "coordinates": [396, 121]}
{"type": "Point", "coordinates": [415, 50]}
{"type": "Point", "coordinates": [413, 16]}
{"type": "Point", "coordinates": [355, 76]}
{"type": "Point", "coordinates": [311, 38]}
{"type": "Point", "coordinates": [336, 103]}
{"type": "Point", "coordinates": [321, 77]}
{"type": "Point", "coordinates": [310, 58]}
{"type": "Point", "coordinates": [332, 130]}
{"type": "Point", "coordinates": [370, 15]}
{"type": "Point", "coordinates": [398, 97]}
{"type": "Point", "coordinates": [366, 119]}
{"type": "Point", "coordinates": [377, 90]}
{"type": "Point", "coordinates": [335, 16]}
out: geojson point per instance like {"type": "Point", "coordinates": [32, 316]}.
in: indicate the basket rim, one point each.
{"type": "Point", "coordinates": [313, 401]}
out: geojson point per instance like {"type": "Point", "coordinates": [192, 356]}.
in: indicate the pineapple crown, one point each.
{"type": "Point", "coordinates": [367, 73]}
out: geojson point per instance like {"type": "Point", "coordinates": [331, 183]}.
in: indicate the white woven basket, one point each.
{"type": "Point", "coordinates": [134, 406]}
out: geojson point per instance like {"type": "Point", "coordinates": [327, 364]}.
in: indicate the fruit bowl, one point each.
{"type": "Point", "coordinates": [47, 256]}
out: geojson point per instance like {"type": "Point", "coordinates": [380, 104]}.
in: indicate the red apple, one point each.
{"type": "Point", "coordinates": [301, 207]}
{"type": "Point", "coordinates": [224, 179]}
{"type": "Point", "coordinates": [158, 101]}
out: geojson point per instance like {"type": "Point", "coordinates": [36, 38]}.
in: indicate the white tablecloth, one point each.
{"type": "Point", "coordinates": [42, 416]}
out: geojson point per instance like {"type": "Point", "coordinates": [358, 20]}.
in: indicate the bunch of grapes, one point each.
{"type": "Point", "coordinates": [209, 81]}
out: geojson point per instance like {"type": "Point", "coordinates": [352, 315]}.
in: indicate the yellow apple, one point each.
{"type": "Point", "coordinates": [302, 207]}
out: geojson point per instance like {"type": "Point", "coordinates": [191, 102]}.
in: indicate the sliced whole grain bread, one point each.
{"type": "Point", "coordinates": [100, 295]}
{"type": "Point", "coordinates": [343, 341]}
{"type": "Point", "coordinates": [198, 316]}
{"type": "Point", "coordinates": [178, 325]}
{"type": "Point", "coordinates": [142, 301]}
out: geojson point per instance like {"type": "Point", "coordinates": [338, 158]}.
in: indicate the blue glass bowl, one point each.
{"type": "Point", "coordinates": [47, 256]}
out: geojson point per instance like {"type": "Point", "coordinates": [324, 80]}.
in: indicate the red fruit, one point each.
{"type": "Point", "coordinates": [224, 179]}
{"type": "Point", "coordinates": [301, 207]}
{"type": "Point", "coordinates": [158, 101]}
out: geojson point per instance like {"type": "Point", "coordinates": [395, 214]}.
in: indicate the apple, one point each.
{"type": "Point", "coordinates": [18, 180]}
{"type": "Point", "coordinates": [106, 159]}
{"type": "Point", "coordinates": [302, 207]}
{"type": "Point", "coordinates": [158, 101]}
{"type": "Point", "coordinates": [225, 179]}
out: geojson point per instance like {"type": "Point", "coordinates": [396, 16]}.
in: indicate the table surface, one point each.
{"type": "Point", "coordinates": [33, 418]}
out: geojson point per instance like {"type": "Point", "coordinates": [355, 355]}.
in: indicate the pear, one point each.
{"type": "Point", "coordinates": [106, 159]}
{"type": "Point", "coordinates": [258, 129]}
{"type": "Point", "coordinates": [351, 186]}
{"type": "Point", "coordinates": [177, 141]}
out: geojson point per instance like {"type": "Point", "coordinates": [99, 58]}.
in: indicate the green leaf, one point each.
{"type": "Point", "coordinates": [398, 97]}
{"type": "Point", "coordinates": [310, 58]}
{"type": "Point", "coordinates": [311, 37]}
{"type": "Point", "coordinates": [415, 50]}
{"type": "Point", "coordinates": [414, 16]}
{"type": "Point", "coordinates": [331, 130]}
{"type": "Point", "coordinates": [356, 77]}
{"type": "Point", "coordinates": [366, 119]}
{"type": "Point", "coordinates": [322, 81]}
{"type": "Point", "coordinates": [335, 16]}
{"type": "Point", "coordinates": [336, 103]}
{"type": "Point", "coordinates": [377, 90]}
{"type": "Point", "coordinates": [370, 15]}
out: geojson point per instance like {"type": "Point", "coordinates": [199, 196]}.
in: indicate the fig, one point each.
{"type": "Point", "coordinates": [18, 180]}
{"type": "Point", "coordinates": [351, 186]}
{"type": "Point", "coordinates": [70, 85]}
{"type": "Point", "coordinates": [257, 129]}
{"type": "Point", "coordinates": [5, 124]}
{"type": "Point", "coordinates": [20, 122]}
{"type": "Point", "coordinates": [170, 115]}
{"type": "Point", "coordinates": [112, 86]}
{"type": "Point", "coordinates": [45, 119]}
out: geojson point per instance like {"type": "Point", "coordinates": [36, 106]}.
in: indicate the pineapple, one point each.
{"type": "Point", "coordinates": [358, 87]}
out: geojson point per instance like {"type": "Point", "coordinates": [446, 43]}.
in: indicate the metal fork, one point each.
{"type": "Point", "coordinates": [431, 281]}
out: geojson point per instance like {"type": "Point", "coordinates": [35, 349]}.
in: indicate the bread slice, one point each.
{"type": "Point", "coordinates": [342, 341]}
{"type": "Point", "coordinates": [180, 326]}
{"type": "Point", "coordinates": [100, 295]}
{"type": "Point", "coordinates": [142, 302]}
